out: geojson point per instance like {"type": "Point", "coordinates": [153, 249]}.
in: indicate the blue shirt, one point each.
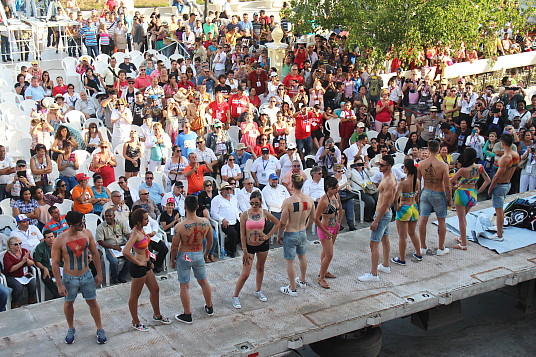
{"type": "Point", "coordinates": [242, 160]}
{"type": "Point", "coordinates": [186, 142]}
{"type": "Point", "coordinates": [90, 34]}
{"type": "Point", "coordinates": [36, 94]}
{"type": "Point", "coordinates": [246, 25]}
{"type": "Point", "coordinates": [155, 191]}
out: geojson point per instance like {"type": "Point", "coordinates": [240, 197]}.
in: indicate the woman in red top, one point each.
{"type": "Point", "coordinates": [17, 262]}
{"type": "Point", "coordinates": [253, 97]}
{"type": "Point", "coordinates": [263, 143]}
{"type": "Point", "coordinates": [218, 108]}
{"type": "Point", "coordinates": [384, 110]}
{"type": "Point", "coordinates": [348, 121]}
{"type": "Point", "coordinates": [121, 83]}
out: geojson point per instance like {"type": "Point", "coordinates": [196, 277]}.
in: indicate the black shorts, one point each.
{"type": "Point", "coordinates": [264, 247]}
{"type": "Point", "coordinates": [317, 134]}
{"type": "Point", "coordinates": [137, 271]}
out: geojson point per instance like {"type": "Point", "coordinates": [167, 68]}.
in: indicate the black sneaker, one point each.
{"type": "Point", "coordinates": [186, 318]}
{"type": "Point", "coordinates": [209, 310]}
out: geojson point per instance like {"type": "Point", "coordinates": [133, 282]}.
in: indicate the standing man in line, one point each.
{"type": "Point", "coordinates": [72, 247]}
{"type": "Point", "coordinates": [297, 215]}
{"type": "Point", "coordinates": [189, 234]}
{"type": "Point", "coordinates": [500, 185]}
{"type": "Point", "coordinates": [436, 194]}
{"type": "Point", "coordinates": [380, 225]}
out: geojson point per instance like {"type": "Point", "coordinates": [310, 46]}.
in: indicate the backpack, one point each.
{"type": "Point", "coordinates": [374, 87]}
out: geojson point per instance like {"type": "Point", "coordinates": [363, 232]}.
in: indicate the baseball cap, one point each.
{"type": "Point", "coordinates": [291, 146]}
{"type": "Point", "coordinates": [273, 176]}
{"type": "Point", "coordinates": [22, 218]}
{"type": "Point", "coordinates": [224, 185]}
{"type": "Point", "coordinates": [81, 176]}
{"type": "Point", "coordinates": [218, 124]}
{"type": "Point", "coordinates": [170, 200]}
{"type": "Point", "coordinates": [179, 184]}
{"type": "Point", "coordinates": [241, 146]}
{"type": "Point", "coordinates": [34, 62]}
{"type": "Point", "coordinates": [360, 125]}
{"type": "Point", "coordinates": [21, 163]}
{"type": "Point", "coordinates": [265, 151]}
{"type": "Point", "coordinates": [433, 108]}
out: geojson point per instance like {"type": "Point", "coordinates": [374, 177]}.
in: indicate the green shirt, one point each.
{"type": "Point", "coordinates": [42, 255]}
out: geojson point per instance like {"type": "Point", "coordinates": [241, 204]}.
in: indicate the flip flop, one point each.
{"type": "Point", "coordinates": [323, 283]}
{"type": "Point", "coordinates": [329, 275]}
{"type": "Point", "coordinates": [458, 239]}
{"type": "Point", "coordinates": [459, 246]}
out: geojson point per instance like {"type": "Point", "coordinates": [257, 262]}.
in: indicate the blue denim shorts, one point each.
{"type": "Point", "coordinates": [294, 243]}
{"type": "Point", "coordinates": [191, 260]}
{"type": "Point", "coordinates": [383, 227]}
{"type": "Point", "coordinates": [498, 195]}
{"type": "Point", "coordinates": [83, 283]}
{"type": "Point", "coordinates": [433, 199]}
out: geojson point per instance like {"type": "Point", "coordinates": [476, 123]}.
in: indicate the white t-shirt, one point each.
{"type": "Point", "coordinates": [4, 164]}
{"type": "Point", "coordinates": [264, 168]}
{"type": "Point", "coordinates": [230, 172]}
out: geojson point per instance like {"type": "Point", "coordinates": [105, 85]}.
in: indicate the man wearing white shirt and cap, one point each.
{"type": "Point", "coordinates": [263, 167]}
{"type": "Point", "coordinates": [357, 149]}
{"type": "Point", "coordinates": [286, 160]}
{"type": "Point", "coordinates": [274, 194]}
{"type": "Point", "coordinates": [29, 235]}
{"type": "Point", "coordinates": [178, 196]}
{"type": "Point", "coordinates": [224, 209]}
{"type": "Point", "coordinates": [314, 187]}
{"type": "Point", "coordinates": [244, 193]}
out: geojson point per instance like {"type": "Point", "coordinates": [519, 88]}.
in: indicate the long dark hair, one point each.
{"type": "Point", "coordinates": [468, 157]}
{"type": "Point", "coordinates": [409, 164]}
{"type": "Point", "coordinates": [136, 217]}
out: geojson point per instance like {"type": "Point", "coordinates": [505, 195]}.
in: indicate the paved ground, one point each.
{"type": "Point", "coordinates": [315, 314]}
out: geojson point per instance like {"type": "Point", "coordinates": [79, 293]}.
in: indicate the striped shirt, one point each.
{"type": "Point", "coordinates": [90, 34]}
{"type": "Point", "coordinates": [57, 227]}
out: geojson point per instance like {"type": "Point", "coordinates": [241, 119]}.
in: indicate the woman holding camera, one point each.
{"type": "Point", "coordinates": [68, 165]}
{"type": "Point", "coordinates": [361, 181]}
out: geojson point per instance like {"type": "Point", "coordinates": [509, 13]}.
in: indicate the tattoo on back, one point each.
{"type": "Point", "coordinates": [430, 175]}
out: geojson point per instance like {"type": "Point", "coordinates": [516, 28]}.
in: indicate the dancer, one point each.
{"type": "Point", "coordinates": [141, 270]}
{"type": "Point", "coordinates": [500, 185]}
{"type": "Point", "coordinates": [254, 241]}
{"type": "Point", "coordinates": [297, 216]}
{"type": "Point", "coordinates": [328, 218]}
{"type": "Point", "coordinates": [189, 234]}
{"type": "Point", "coordinates": [436, 195]}
{"type": "Point", "coordinates": [465, 196]}
{"type": "Point", "coordinates": [407, 212]}
{"type": "Point", "coordinates": [72, 248]}
{"type": "Point", "coordinates": [380, 225]}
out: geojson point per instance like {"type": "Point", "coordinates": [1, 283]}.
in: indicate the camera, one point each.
{"type": "Point", "coordinates": [532, 150]}
{"type": "Point", "coordinates": [21, 173]}
{"type": "Point", "coordinates": [478, 104]}
{"type": "Point", "coordinates": [407, 80]}
{"type": "Point", "coordinates": [332, 149]}
{"type": "Point", "coordinates": [360, 164]}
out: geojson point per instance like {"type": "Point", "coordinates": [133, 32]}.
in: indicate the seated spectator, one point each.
{"type": "Point", "coordinates": [147, 204]}
{"type": "Point", "coordinates": [26, 205]}
{"type": "Point", "coordinates": [328, 155]}
{"type": "Point", "coordinates": [224, 209]}
{"type": "Point", "coordinates": [219, 142]}
{"type": "Point", "coordinates": [39, 196]}
{"type": "Point", "coordinates": [242, 156]}
{"type": "Point", "coordinates": [7, 167]}
{"type": "Point", "coordinates": [274, 194]}
{"type": "Point", "coordinates": [244, 194]}
{"type": "Point", "coordinates": [287, 179]}
{"type": "Point", "coordinates": [60, 193]}
{"type": "Point", "coordinates": [82, 195]}
{"type": "Point", "coordinates": [357, 149]}
{"type": "Point", "coordinates": [87, 105]}
{"type": "Point", "coordinates": [263, 143]}
{"type": "Point", "coordinates": [169, 218]}
{"type": "Point", "coordinates": [41, 167]}
{"type": "Point", "coordinates": [194, 174]}
{"type": "Point", "coordinates": [103, 163]}
{"type": "Point", "coordinates": [230, 170]}
{"type": "Point", "coordinates": [154, 188]}
{"type": "Point", "coordinates": [119, 207]}
{"type": "Point", "coordinates": [68, 165]}
{"type": "Point", "coordinates": [186, 140]}
{"type": "Point", "coordinates": [156, 244]}
{"type": "Point", "coordinates": [21, 178]}
{"type": "Point", "coordinates": [178, 194]}
{"type": "Point", "coordinates": [57, 223]}
{"type": "Point", "coordinates": [34, 91]}
{"type": "Point", "coordinates": [100, 193]}
{"type": "Point", "coordinates": [314, 187]}
{"type": "Point", "coordinates": [205, 155]}
{"type": "Point", "coordinates": [361, 176]}
{"type": "Point", "coordinates": [42, 258]}
{"type": "Point", "coordinates": [16, 262]}
{"type": "Point", "coordinates": [112, 235]}
{"type": "Point", "coordinates": [129, 196]}
{"type": "Point", "coordinates": [263, 167]}
{"type": "Point", "coordinates": [28, 234]}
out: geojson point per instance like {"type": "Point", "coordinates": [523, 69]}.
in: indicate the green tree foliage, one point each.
{"type": "Point", "coordinates": [404, 28]}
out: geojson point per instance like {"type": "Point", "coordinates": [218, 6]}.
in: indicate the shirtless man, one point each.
{"type": "Point", "coordinates": [436, 194]}
{"type": "Point", "coordinates": [189, 235]}
{"type": "Point", "coordinates": [380, 225]}
{"type": "Point", "coordinates": [500, 185]}
{"type": "Point", "coordinates": [297, 215]}
{"type": "Point", "coordinates": [72, 247]}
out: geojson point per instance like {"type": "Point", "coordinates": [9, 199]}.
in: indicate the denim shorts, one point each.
{"type": "Point", "coordinates": [294, 243]}
{"type": "Point", "coordinates": [83, 283]}
{"type": "Point", "coordinates": [498, 195]}
{"type": "Point", "coordinates": [191, 260]}
{"type": "Point", "coordinates": [383, 227]}
{"type": "Point", "coordinates": [433, 199]}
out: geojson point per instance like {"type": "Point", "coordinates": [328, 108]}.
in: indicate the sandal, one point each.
{"type": "Point", "coordinates": [323, 283]}
{"type": "Point", "coordinates": [329, 275]}
{"type": "Point", "coordinates": [459, 246]}
{"type": "Point", "coordinates": [140, 327]}
{"type": "Point", "coordinates": [207, 260]}
{"type": "Point", "coordinates": [211, 257]}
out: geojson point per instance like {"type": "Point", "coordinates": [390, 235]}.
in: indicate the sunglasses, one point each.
{"type": "Point", "coordinates": [149, 178]}
{"type": "Point", "coordinates": [208, 185]}
{"type": "Point", "coordinates": [144, 194]}
{"type": "Point", "coordinates": [381, 165]}
{"type": "Point", "coordinates": [255, 203]}
{"type": "Point", "coordinates": [199, 142]}
{"type": "Point", "coordinates": [295, 165]}
{"type": "Point", "coordinates": [19, 243]}
{"type": "Point", "coordinates": [338, 171]}
{"type": "Point", "coordinates": [230, 159]}
{"type": "Point", "coordinates": [64, 185]}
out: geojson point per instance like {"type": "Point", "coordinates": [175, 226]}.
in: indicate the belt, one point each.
{"type": "Point", "coordinates": [503, 183]}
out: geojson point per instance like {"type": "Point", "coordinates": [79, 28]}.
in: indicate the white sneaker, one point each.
{"type": "Point", "coordinates": [368, 277]}
{"type": "Point", "coordinates": [236, 303]}
{"type": "Point", "coordinates": [301, 284]}
{"type": "Point", "coordinates": [442, 251]}
{"type": "Point", "coordinates": [496, 238]}
{"type": "Point", "coordinates": [384, 269]}
{"type": "Point", "coordinates": [261, 296]}
{"type": "Point", "coordinates": [423, 251]}
{"type": "Point", "coordinates": [286, 290]}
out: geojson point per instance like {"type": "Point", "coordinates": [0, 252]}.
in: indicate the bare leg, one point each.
{"type": "Point", "coordinates": [68, 310]}
{"type": "Point", "coordinates": [422, 231]}
{"type": "Point", "coordinates": [374, 257]}
{"type": "Point", "coordinates": [135, 290]}
{"type": "Point", "coordinates": [207, 292]}
{"type": "Point", "coordinates": [442, 232]}
{"type": "Point", "coordinates": [386, 250]}
{"type": "Point", "coordinates": [462, 222]}
{"type": "Point", "coordinates": [95, 312]}
{"type": "Point", "coordinates": [259, 277]}
{"type": "Point", "coordinates": [303, 266]}
{"type": "Point", "coordinates": [327, 255]}
{"type": "Point", "coordinates": [500, 221]}
{"type": "Point", "coordinates": [413, 236]}
{"type": "Point", "coordinates": [185, 298]}
{"type": "Point", "coordinates": [402, 228]}
{"type": "Point", "coordinates": [246, 270]}
{"type": "Point", "coordinates": [154, 292]}
{"type": "Point", "coordinates": [291, 274]}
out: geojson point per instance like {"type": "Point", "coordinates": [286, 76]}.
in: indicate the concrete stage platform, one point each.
{"type": "Point", "coordinates": [281, 323]}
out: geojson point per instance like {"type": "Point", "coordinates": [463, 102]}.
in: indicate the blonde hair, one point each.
{"type": "Point", "coordinates": [157, 125]}
{"type": "Point", "coordinates": [384, 91]}
{"type": "Point", "coordinates": [338, 167]}
{"type": "Point", "coordinates": [11, 239]}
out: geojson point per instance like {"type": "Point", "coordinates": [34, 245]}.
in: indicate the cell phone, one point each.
{"type": "Point", "coordinates": [21, 173]}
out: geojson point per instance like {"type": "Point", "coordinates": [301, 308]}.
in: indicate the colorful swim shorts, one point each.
{"type": "Point", "coordinates": [408, 213]}
{"type": "Point", "coordinates": [466, 197]}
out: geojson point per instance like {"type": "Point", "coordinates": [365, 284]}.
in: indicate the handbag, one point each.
{"type": "Point", "coordinates": [369, 187]}
{"type": "Point", "coordinates": [346, 195]}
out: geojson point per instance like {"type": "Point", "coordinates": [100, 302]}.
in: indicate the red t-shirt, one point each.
{"type": "Point", "coordinates": [238, 105]}
{"type": "Point", "coordinates": [316, 121]}
{"type": "Point", "coordinates": [219, 110]}
{"type": "Point", "coordinates": [258, 81]}
{"type": "Point", "coordinates": [259, 148]}
{"type": "Point", "coordinates": [286, 81]}
{"type": "Point", "coordinates": [303, 126]}
{"type": "Point", "coordinates": [256, 101]}
{"type": "Point", "coordinates": [186, 85]}
{"type": "Point", "coordinates": [196, 180]}
{"type": "Point", "coordinates": [384, 116]}
{"type": "Point", "coordinates": [59, 90]}
{"type": "Point", "coordinates": [142, 82]}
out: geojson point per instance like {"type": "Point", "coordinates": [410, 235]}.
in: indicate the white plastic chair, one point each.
{"type": "Point", "coordinates": [75, 118]}
{"type": "Point", "coordinates": [400, 144]}
{"type": "Point", "coordinates": [134, 183]}
{"type": "Point", "coordinates": [372, 134]}
{"type": "Point", "coordinates": [247, 169]}
{"type": "Point", "coordinates": [7, 75]}
{"type": "Point", "coordinates": [92, 221]}
{"type": "Point", "coordinates": [27, 105]}
{"type": "Point", "coordinates": [455, 157]}
{"type": "Point", "coordinates": [93, 120]}
{"type": "Point", "coordinates": [7, 219]}
{"type": "Point", "coordinates": [234, 132]}
{"type": "Point", "coordinates": [137, 61]}
{"type": "Point", "coordinates": [399, 158]}
{"type": "Point", "coordinates": [55, 174]}
{"type": "Point", "coordinates": [164, 59]}
{"type": "Point", "coordinates": [10, 97]}
{"type": "Point", "coordinates": [114, 186]}
{"type": "Point", "coordinates": [81, 155]}
{"type": "Point", "coordinates": [65, 206]}
{"type": "Point", "coordinates": [135, 53]}
{"type": "Point", "coordinates": [119, 56]}
{"type": "Point", "coordinates": [175, 56]}
{"type": "Point", "coordinates": [308, 172]}
{"type": "Point", "coordinates": [332, 126]}
{"type": "Point", "coordinates": [100, 67]}
{"type": "Point", "coordinates": [160, 178]}
{"type": "Point", "coordinates": [103, 58]}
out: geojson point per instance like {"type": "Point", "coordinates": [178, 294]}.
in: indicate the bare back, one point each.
{"type": "Point", "coordinates": [434, 173]}
{"type": "Point", "coordinates": [190, 233]}
{"type": "Point", "coordinates": [507, 167]}
{"type": "Point", "coordinates": [387, 190]}
{"type": "Point", "coordinates": [74, 250]}
{"type": "Point", "coordinates": [296, 210]}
